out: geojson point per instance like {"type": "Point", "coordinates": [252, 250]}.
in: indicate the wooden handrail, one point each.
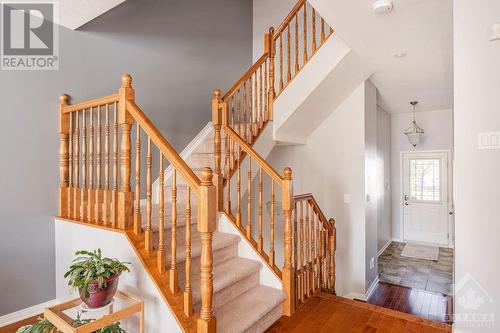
{"type": "Point", "coordinates": [246, 76]}
{"type": "Point", "coordinates": [163, 145]}
{"type": "Point", "coordinates": [91, 103]}
{"type": "Point", "coordinates": [309, 197]}
{"type": "Point", "coordinates": [254, 155]}
{"type": "Point", "coordinates": [289, 17]}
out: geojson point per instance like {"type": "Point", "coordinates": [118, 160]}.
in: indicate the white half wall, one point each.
{"type": "Point", "coordinates": [438, 126]}
{"type": "Point", "coordinates": [71, 237]}
{"type": "Point", "coordinates": [383, 191]}
{"type": "Point", "coordinates": [476, 176]}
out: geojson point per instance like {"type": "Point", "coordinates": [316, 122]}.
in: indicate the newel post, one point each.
{"type": "Point", "coordinates": [64, 128]}
{"type": "Point", "coordinates": [217, 122]}
{"type": "Point", "coordinates": [207, 214]}
{"type": "Point", "coordinates": [272, 53]}
{"type": "Point", "coordinates": [125, 121]}
{"type": "Point", "coordinates": [332, 244]}
{"type": "Point", "coordinates": [288, 270]}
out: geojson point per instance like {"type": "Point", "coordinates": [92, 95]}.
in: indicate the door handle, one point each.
{"type": "Point", "coordinates": [451, 213]}
{"type": "Point", "coordinates": [406, 203]}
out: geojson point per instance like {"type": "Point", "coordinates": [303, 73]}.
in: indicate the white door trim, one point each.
{"type": "Point", "coordinates": [451, 219]}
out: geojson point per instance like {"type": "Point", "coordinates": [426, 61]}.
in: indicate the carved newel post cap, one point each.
{"type": "Point", "coordinates": [206, 176]}
{"type": "Point", "coordinates": [271, 30]}
{"type": "Point", "coordinates": [126, 80]}
{"type": "Point", "coordinates": [64, 99]}
{"type": "Point", "coordinates": [287, 173]}
{"type": "Point", "coordinates": [217, 94]}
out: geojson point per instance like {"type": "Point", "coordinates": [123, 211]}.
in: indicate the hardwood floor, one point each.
{"type": "Point", "coordinates": [425, 304]}
{"type": "Point", "coordinates": [332, 314]}
{"type": "Point", "coordinates": [12, 328]}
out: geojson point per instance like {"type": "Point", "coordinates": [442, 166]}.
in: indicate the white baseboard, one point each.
{"type": "Point", "coordinates": [358, 296]}
{"type": "Point", "coordinates": [386, 245]}
{"type": "Point", "coordinates": [370, 290]}
{"type": "Point", "coordinates": [26, 313]}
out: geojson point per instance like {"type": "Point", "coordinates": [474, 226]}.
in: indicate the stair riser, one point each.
{"type": "Point", "coordinates": [180, 238]}
{"type": "Point", "coordinates": [265, 322]}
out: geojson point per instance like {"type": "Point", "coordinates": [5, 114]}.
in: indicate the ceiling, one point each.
{"type": "Point", "coordinates": [423, 29]}
{"type": "Point", "coordinates": [75, 13]}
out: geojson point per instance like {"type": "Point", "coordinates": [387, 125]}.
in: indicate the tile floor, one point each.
{"type": "Point", "coordinates": [435, 276]}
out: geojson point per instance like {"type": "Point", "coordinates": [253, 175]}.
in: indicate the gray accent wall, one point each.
{"type": "Point", "coordinates": [177, 53]}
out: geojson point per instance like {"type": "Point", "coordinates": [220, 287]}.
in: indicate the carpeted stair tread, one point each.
{"type": "Point", "coordinates": [243, 312]}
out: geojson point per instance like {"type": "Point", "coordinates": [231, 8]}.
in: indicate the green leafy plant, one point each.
{"type": "Point", "coordinates": [90, 266]}
{"type": "Point", "coordinates": [45, 326]}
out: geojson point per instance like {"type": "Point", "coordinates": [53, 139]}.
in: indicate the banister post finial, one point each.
{"type": "Point", "coordinates": [64, 99]}
{"type": "Point", "coordinates": [287, 173]}
{"type": "Point", "coordinates": [206, 176]}
{"type": "Point", "coordinates": [126, 81]}
{"type": "Point", "coordinates": [217, 94]}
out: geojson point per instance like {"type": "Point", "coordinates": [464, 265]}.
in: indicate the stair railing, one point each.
{"type": "Point", "coordinates": [314, 240]}
{"type": "Point", "coordinates": [95, 142]}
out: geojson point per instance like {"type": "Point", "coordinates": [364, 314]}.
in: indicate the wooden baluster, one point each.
{"type": "Point", "coordinates": [217, 123]}
{"type": "Point", "coordinates": [206, 226]}
{"type": "Point", "coordinates": [305, 33]}
{"type": "Point", "coordinates": [261, 107]}
{"type": "Point", "coordinates": [295, 239]}
{"type": "Point", "coordinates": [302, 262]}
{"type": "Point", "coordinates": [76, 177]}
{"type": "Point", "coordinates": [297, 67]}
{"type": "Point", "coordinates": [228, 171]}
{"type": "Point", "coordinates": [64, 130]}
{"type": "Point", "coordinates": [281, 62]}
{"type": "Point", "coordinates": [70, 170]}
{"type": "Point", "coordinates": [313, 22]}
{"type": "Point", "coordinates": [238, 189]}
{"type": "Point", "coordinates": [188, 294]}
{"type": "Point", "coordinates": [91, 189]}
{"type": "Point", "coordinates": [288, 272]}
{"type": "Point", "coordinates": [272, 91]}
{"type": "Point", "coordinates": [252, 109]}
{"type": "Point", "coordinates": [260, 240]}
{"type": "Point", "coordinates": [160, 259]}
{"type": "Point", "coordinates": [271, 234]}
{"type": "Point", "coordinates": [83, 213]}
{"type": "Point", "coordinates": [174, 278]}
{"type": "Point", "coordinates": [318, 252]}
{"type": "Point", "coordinates": [313, 250]}
{"type": "Point", "coordinates": [137, 211]}
{"type": "Point", "coordinates": [249, 200]}
{"type": "Point", "coordinates": [125, 196]}
{"type": "Point", "coordinates": [148, 234]}
{"type": "Point", "coordinates": [245, 108]}
{"type": "Point", "coordinates": [322, 30]}
{"type": "Point", "coordinates": [288, 55]}
{"type": "Point", "coordinates": [321, 256]}
{"type": "Point", "coordinates": [107, 193]}
{"type": "Point", "coordinates": [266, 94]}
{"type": "Point", "coordinates": [308, 253]}
{"type": "Point", "coordinates": [98, 192]}
{"type": "Point", "coordinates": [327, 259]}
{"type": "Point", "coordinates": [240, 119]}
{"type": "Point", "coordinates": [333, 248]}
{"type": "Point", "coordinates": [114, 194]}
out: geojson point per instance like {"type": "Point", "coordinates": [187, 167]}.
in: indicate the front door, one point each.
{"type": "Point", "coordinates": [425, 197]}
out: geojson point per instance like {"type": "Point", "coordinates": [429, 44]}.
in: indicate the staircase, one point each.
{"type": "Point", "coordinates": [204, 276]}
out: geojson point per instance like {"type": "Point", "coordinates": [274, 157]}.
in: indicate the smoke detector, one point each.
{"type": "Point", "coordinates": [383, 6]}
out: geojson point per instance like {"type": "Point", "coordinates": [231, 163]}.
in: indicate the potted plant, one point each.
{"type": "Point", "coordinates": [95, 277]}
{"type": "Point", "coordinates": [45, 326]}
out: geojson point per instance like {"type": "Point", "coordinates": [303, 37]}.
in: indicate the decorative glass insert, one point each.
{"type": "Point", "coordinates": [425, 179]}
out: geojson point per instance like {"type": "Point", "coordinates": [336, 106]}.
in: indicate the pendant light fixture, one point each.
{"type": "Point", "coordinates": [414, 132]}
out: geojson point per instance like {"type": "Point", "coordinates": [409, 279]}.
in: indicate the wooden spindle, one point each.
{"type": "Point", "coordinates": [160, 259]}
{"type": "Point", "coordinates": [260, 240]}
{"type": "Point", "coordinates": [288, 55]}
{"type": "Point", "coordinates": [255, 113]}
{"type": "Point", "coordinates": [70, 170]}
{"type": "Point", "coordinates": [228, 157]}
{"type": "Point", "coordinates": [206, 226]}
{"type": "Point", "coordinates": [305, 33]}
{"type": "Point", "coordinates": [261, 107]}
{"type": "Point", "coordinates": [271, 236]}
{"type": "Point", "coordinates": [107, 161]}
{"type": "Point", "coordinates": [91, 189]}
{"type": "Point", "coordinates": [333, 248]}
{"type": "Point", "coordinates": [245, 109]}
{"type": "Point", "coordinates": [137, 211]}
{"type": "Point", "coordinates": [114, 193]}
{"type": "Point", "coordinates": [148, 233]}
{"type": "Point", "coordinates": [297, 67]}
{"type": "Point", "coordinates": [188, 294]}
{"type": "Point", "coordinates": [281, 62]}
{"type": "Point", "coordinates": [240, 119]}
{"type": "Point", "coordinates": [322, 30]}
{"type": "Point", "coordinates": [266, 94]}
{"type": "Point", "coordinates": [83, 213]}
{"type": "Point", "coordinates": [313, 250]}
{"type": "Point", "coordinates": [76, 177]}
{"type": "Point", "coordinates": [302, 262]}
{"type": "Point", "coordinates": [217, 123]}
{"type": "Point", "coordinates": [98, 192]}
{"type": "Point", "coordinates": [308, 253]}
{"type": "Point", "coordinates": [272, 91]}
{"type": "Point", "coordinates": [249, 200]}
{"type": "Point", "coordinates": [174, 278]}
{"type": "Point", "coordinates": [288, 272]}
{"type": "Point", "coordinates": [238, 189]}
{"type": "Point", "coordinates": [64, 130]}
{"type": "Point", "coordinates": [295, 240]}
{"type": "Point", "coordinates": [313, 22]}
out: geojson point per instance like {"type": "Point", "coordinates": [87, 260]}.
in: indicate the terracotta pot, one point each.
{"type": "Point", "coordinates": [100, 297]}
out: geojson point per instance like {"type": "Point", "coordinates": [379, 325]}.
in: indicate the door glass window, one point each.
{"type": "Point", "coordinates": [425, 179]}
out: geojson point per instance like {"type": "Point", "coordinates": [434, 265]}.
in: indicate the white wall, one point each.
{"type": "Point", "coordinates": [331, 165]}
{"type": "Point", "coordinates": [476, 175]}
{"type": "Point", "coordinates": [438, 126]}
{"type": "Point", "coordinates": [70, 237]}
{"type": "Point", "coordinates": [384, 214]}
